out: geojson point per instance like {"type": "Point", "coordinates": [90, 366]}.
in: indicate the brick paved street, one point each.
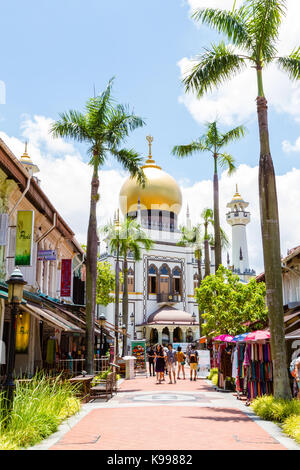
{"type": "Point", "coordinates": [144, 415]}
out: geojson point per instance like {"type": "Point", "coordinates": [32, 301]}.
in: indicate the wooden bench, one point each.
{"type": "Point", "coordinates": [105, 387]}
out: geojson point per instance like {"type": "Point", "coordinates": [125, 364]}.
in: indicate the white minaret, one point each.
{"type": "Point", "coordinates": [238, 218]}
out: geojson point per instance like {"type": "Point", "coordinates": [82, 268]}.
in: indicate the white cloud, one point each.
{"type": "Point", "coordinates": [234, 102]}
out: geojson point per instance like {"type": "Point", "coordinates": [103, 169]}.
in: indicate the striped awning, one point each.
{"type": "Point", "coordinates": [51, 318]}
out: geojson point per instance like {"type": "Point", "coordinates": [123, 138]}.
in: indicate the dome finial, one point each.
{"type": "Point", "coordinates": [150, 140]}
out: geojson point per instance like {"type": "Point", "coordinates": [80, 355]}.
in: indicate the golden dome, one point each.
{"type": "Point", "coordinates": [161, 191]}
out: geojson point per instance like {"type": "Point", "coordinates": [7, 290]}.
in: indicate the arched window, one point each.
{"type": "Point", "coordinates": [177, 280]}
{"type": "Point", "coordinates": [152, 279]}
{"type": "Point", "coordinates": [130, 280]}
{"type": "Point", "coordinates": [196, 278]}
{"type": "Point", "coordinates": [164, 279]}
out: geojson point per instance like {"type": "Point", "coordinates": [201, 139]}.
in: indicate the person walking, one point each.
{"type": "Point", "coordinates": [160, 363]}
{"type": "Point", "coordinates": [181, 357]}
{"type": "Point", "coordinates": [193, 360]}
{"type": "Point", "coordinates": [171, 362]}
{"type": "Point", "coordinates": [151, 357]}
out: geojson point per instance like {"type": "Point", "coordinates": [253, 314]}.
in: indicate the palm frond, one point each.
{"type": "Point", "coordinates": [131, 161]}
{"type": "Point", "coordinates": [291, 64]}
{"type": "Point", "coordinates": [264, 18]}
{"type": "Point", "coordinates": [229, 23]}
{"type": "Point", "coordinates": [213, 68]}
{"type": "Point", "coordinates": [233, 135]}
{"type": "Point", "coordinates": [183, 151]}
{"type": "Point", "coordinates": [225, 160]}
{"type": "Point", "coordinates": [72, 125]}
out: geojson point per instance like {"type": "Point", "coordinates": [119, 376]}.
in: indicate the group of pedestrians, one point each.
{"type": "Point", "coordinates": [164, 360]}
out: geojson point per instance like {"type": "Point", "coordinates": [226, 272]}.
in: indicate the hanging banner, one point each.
{"type": "Point", "coordinates": [24, 238]}
{"type": "Point", "coordinates": [22, 333]}
{"type": "Point", "coordinates": [138, 349]}
{"type": "Point", "coordinates": [66, 278]}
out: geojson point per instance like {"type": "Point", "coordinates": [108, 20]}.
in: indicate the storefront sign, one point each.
{"type": "Point", "coordinates": [46, 255]}
{"type": "Point", "coordinates": [24, 238]}
{"type": "Point", "coordinates": [66, 278]}
{"type": "Point", "coordinates": [22, 333]}
{"type": "Point", "coordinates": [204, 363]}
{"type": "Point", "coordinates": [138, 349]}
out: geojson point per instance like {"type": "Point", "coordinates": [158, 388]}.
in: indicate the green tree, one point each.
{"type": "Point", "coordinates": [253, 31]}
{"type": "Point", "coordinates": [227, 303]}
{"type": "Point", "coordinates": [105, 283]}
{"type": "Point", "coordinates": [103, 126]}
{"type": "Point", "coordinates": [213, 142]}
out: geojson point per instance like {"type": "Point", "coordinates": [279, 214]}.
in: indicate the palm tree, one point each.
{"type": "Point", "coordinates": [103, 126]}
{"type": "Point", "coordinates": [213, 142]}
{"type": "Point", "coordinates": [129, 239]}
{"type": "Point", "coordinates": [253, 30]}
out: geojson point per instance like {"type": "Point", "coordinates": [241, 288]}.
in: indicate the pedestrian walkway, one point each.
{"type": "Point", "coordinates": [188, 415]}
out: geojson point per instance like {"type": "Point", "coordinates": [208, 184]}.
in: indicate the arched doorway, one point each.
{"type": "Point", "coordinates": [177, 335]}
{"type": "Point", "coordinates": [165, 336]}
{"type": "Point", "coordinates": [189, 336]}
{"type": "Point", "coordinates": [153, 336]}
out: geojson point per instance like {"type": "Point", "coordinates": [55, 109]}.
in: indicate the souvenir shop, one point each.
{"type": "Point", "coordinates": [244, 364]}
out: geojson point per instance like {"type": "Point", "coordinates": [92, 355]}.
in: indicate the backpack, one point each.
{"type": "Point", "coordinates": [193, 357]}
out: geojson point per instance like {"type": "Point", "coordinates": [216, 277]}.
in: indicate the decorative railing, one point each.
{"type": "Point", "coordinates": [172, 298]}
{"type": "Point", "coordinates": [74, 367]}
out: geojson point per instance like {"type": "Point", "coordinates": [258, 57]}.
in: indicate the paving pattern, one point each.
{"type": "Point", "coordinates": [187, 415]}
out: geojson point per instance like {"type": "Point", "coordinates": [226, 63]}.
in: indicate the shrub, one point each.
{"type": "Point", "coordinates": [291, 426]}
{"type": "Point", "coordinates": [271, 409]}
{"type": "Point", "coordinates": [212, 372]}
{"type": "Point", "coordinates": [39, 407]}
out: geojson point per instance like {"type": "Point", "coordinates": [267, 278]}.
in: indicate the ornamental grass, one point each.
{"type": "Point", "coordinates": [272, 409]}
{"type": "Point", "coordinates": [291, 427]}
{"type": "Point", "coordinates": [39, 407]}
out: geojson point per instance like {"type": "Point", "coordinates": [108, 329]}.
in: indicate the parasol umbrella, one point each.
{"type": "Point", "coordinates": [258, 335]}
{"type": "Point", "coordinates": [224, 338]}
{"type": "Point", "coordinates": [240, 338]}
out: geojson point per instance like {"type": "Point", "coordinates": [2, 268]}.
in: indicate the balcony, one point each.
{"type": "Point", "coordinates": [168, 298]}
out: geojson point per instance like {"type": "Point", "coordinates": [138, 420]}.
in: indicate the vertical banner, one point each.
{"type": "Point", "coordinates": [24, 238]}
{"type": "Point", "coordinates": [66, 278]}
{"type": "Point", "coordinates": [22, 333]}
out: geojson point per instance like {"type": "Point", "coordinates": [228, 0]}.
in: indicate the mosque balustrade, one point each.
{"type": "Point", "coordinates": [163, 297]}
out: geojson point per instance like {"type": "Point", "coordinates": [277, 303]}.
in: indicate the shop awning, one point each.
{"type": "Point", "coordinates": [293, 335]}
{"type": "Point", "coordinates": [51, 318]}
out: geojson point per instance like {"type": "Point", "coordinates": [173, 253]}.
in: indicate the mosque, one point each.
{"type": "Point", "coordinates": [162, 307]}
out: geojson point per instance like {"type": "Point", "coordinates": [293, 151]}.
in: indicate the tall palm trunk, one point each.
{"type": "Point", "coordinates": [199, 259]}
{"type": "Point", "coordinates": [271, 250]}
{"type": "Point", "coordinates": [125, 301]}
{"type": "Point", "coordinates": [218, 249]}
{"type": "Point", "coordinates": [91, 275]}
{"type": "Point", "coordinates": [206, 253]}
{"type": "Point", "coordinates": [117, 295]}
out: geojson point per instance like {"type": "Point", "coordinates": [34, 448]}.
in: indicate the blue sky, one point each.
{"type": "Point", "coordinates": [57, 50]}
{"type": "Point", "coordinates": [54, 52]}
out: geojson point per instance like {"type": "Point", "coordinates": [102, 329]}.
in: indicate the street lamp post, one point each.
{"type": "Point", "coordinates": [102, 320]}
{"type": "Point", "coordinates": [15, 295]}
{"type": "Point", "coordinates": [124, 331]}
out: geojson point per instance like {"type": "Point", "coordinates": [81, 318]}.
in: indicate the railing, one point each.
{"type": "Point", "coordinates": [172, 298]}
{"type": "Point", "coordinates": [74, 367]}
